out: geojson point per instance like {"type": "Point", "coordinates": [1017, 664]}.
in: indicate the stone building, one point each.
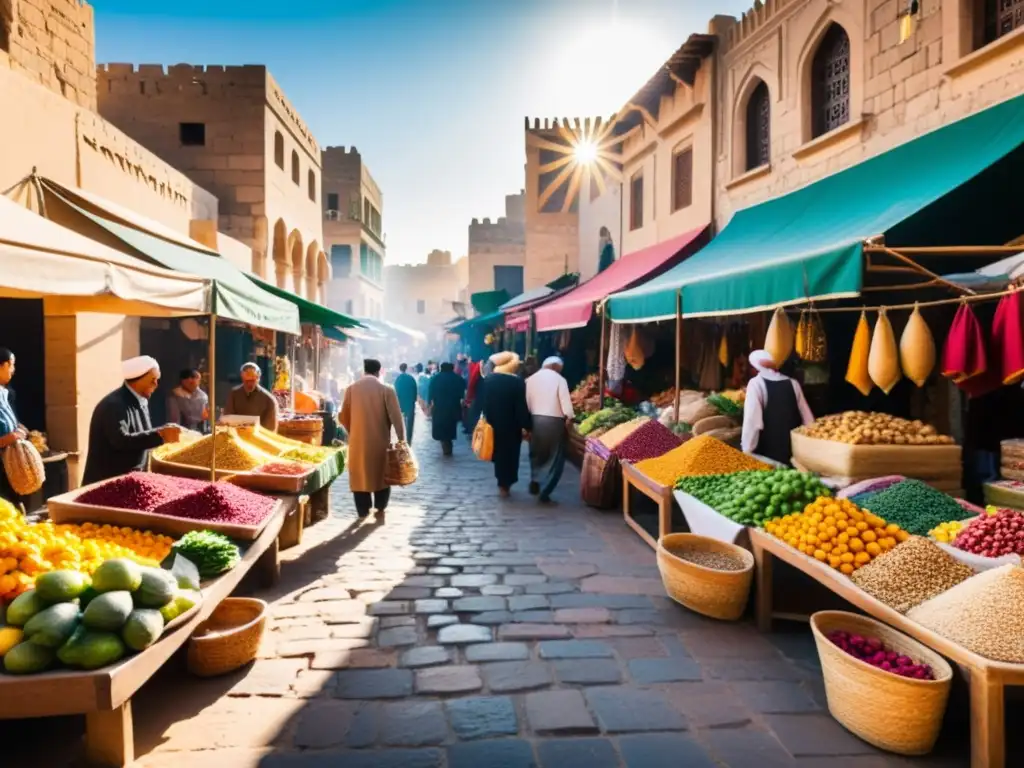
{"type": "Point", "coordinates": [552, 220]}
{"type": "Point", "coordinates": [353, 208]}
{"type": "Point", "coordinates": [497, 250]}
{"type": "Point", "coordinates": [232, 130]}
{"type": "Point", "coordinates": [68, 360]}
{"type": "Point", "coordinates": [421, 296]}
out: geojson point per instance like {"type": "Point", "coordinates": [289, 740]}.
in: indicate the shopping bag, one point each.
{"type": "Point", "coordinates": [483, 440]}
{"type": "Point", "coordinates": [401, 467]}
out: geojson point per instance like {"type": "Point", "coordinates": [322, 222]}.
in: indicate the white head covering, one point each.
{"type": "Point", "coordinates": [762, 361]}
{"type": "Point", "coordinates": [553, 360]}
{"type": "Point", "coordinates": [135, 367]}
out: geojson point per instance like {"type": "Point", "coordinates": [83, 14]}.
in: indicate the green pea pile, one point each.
{"type": "Point", "coordinates": [752, 498]}
{"type": "Point", "coordinates": [915, 506]}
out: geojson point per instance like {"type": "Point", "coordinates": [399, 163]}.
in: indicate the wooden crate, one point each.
{"type": "Point", "coordinates": [987, 678]}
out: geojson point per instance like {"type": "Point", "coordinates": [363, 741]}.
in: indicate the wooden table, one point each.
{"type": "Point", "coordinates": [659, 494]}
{"type": "Point", "coordinates": [104, 695]}
{"type": "Point", "coordinates": [987, 677]}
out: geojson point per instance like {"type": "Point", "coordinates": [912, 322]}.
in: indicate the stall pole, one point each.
{"type": "Point", "coordinates": [679, 349]}
{"type": "Point", "coordinates": [600, 356]}
{"type": "Point", "coordinates": [212, 355]}
{"type": "Point", "coordinates": [293, 365]}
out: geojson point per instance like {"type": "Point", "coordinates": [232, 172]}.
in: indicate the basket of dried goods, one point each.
{"type": "Point", "coordinates": [229, 639]}
{"type": "Point", "coordinates": [864, 660]}
{"type": "Point", "coordinates": [307, 429]}
{"type": "Point", "coordinates": [400, 466]}
{"type": "Point", "coordinates": [707, 576]}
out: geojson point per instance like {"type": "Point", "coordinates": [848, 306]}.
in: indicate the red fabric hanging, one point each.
{"type": "Point", "coordinates": [1008, 337]}
{"type": "Point", "coordinates": [964, 356]}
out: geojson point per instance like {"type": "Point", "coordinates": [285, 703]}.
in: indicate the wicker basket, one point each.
{"type": "Point", "coordinates": [718, 594]}
{"type": "Point", "coordinates": [309, 431]}
{"type": "Point", "coordinates": [893, 713]}
{"type": "Point", "coordinates": [400, 466]}
{"type": "Point", "coordinates": [229, 639]}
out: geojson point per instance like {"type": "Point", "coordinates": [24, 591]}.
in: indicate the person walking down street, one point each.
{"type": "Point", "coordinates": [551, 412]}
{"type": "Point", "coordinates": [369, 412]}
{"type": "Point", "coordinates": [774, 407]}
{"type": "Point", "coordinates": [187, 404]}
{"type": "Point", "coordinates": [423, 387]}
{"type": "Point", "coordinates": [407, 390]}
{"type": "Point", "coordinates": [447, 390]}
{"type": "Point", "coordinates": [251, 399]}
{"type": "Point", "coordinates": [504, 407]}
{"type": "Point", "coordinates": [471, 384]}
{"type": "Point", "coordinates": [476, 394]}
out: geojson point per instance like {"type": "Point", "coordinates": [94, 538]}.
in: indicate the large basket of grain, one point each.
{"type": "Point", "coordinates": [905, 714]}
{"type": "Point", "coordinates": [707, 576]}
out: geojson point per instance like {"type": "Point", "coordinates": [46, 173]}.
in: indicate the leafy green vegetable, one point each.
{"type": "Point", "coordinates": [725, 406]}
{"type": "Point", "coordinates": [211, 553]}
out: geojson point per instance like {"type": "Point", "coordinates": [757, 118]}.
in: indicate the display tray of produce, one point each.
{"type": "Point", "coordinates": [104, 694]}
{"type": "Point", "coordinates": [983, 611]}
{"type": "Point", "coordinates": [855, 444]}
{"type": "Point", "coordinates": [148, 500]}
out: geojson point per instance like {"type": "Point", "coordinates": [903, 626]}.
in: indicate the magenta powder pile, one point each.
{"type": "Point", "coordinates": [650, 441]}
{"type": "Point", "coordinates": [139, 491]}
{"type": "Point", "coordinates": [220, 503]}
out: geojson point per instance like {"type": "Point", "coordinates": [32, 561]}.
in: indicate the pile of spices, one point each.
{"type": "Point", "coordinates": [221, 503]}
{"type": "Point", "coordinates": [718, 561]}
{"type": "Point", "coordinates": [915, 507]}
{"type": "Point", "coordinates": [616, 435]}
{"type": "Point", "coordinates": [649, 441]}
{"type": "Point", "coordinates": [702, 455]}
{"type": "Point", "coordinates": [915, 571]}
{"type": "Point", "coordinates": [140, 491]}
{"type": "Point", "coordinates": [984, 614]}
{"type": "Point", "coordinates": [283, 468]}
{"type": "Point", "coordinates": [231, 452]}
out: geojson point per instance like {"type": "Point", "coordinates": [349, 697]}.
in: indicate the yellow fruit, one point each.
{"type": "Point", "coordinates": [856, 545]}
{"type": "Point", "coordinates": [846, 568]}
{"type": "Point", "coordinates": [862, 557]}
{"type": "Point", "coordinates": [819, 554]}
{"type": "Point", "coordinates": [9, 637]}
{"type": "Point", "coordinates": [873, 549]}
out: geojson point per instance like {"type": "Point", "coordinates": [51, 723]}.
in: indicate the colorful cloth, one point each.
{"type": "Point", "coordinates": [1008, 337]}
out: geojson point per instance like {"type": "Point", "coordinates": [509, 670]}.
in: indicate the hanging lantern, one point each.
{"type": "Point", "coordinates": [908, 20]}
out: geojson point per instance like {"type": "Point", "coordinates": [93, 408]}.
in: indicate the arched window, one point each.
{"type": "Point", "coordinates": [758, 126]}
{"type": "Point", "coordinates": [311, 183]}
{"type": "Point", "coordinates": [279, 149]}
{"type": "Point", "coordinates": [295, 166]}
{"type": "Point", "coordinates": [830, 82]}
{"type": "Point", "coordinates": [1001, 17]}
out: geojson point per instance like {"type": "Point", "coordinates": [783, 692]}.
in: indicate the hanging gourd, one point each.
{"type": "Point", "coordinates": [917, 349]}
{"type": "Point", "coordinates": [800, 343]}
{"type": "Point", "coordinates": [723, 349]}
{"type": "Point", "coordinates": [857, 367]}
{"type": "Point", "coordinates": [778, 341]}
{"type": "Point", "coordinates": [815, 346]}
{"type": "Point", "coordinates": [884, 361]}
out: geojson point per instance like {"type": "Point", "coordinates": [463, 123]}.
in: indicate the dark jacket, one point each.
{"type": "Point", "coordinates": [504, 405]}
{"type": "Point", "coordinates": [446, 392]}
{"type": "Point", "coordinates": [120, 437]}
{"type": "Point", "coordinates": [405, 388]}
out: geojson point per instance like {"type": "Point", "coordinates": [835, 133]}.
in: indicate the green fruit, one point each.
{"type": "Point", "coordinates": [143, 628]}
{"type": "Point", "coordinates": [182, 602]}
{"type": "Point", "coordinates": [24, 607]}
{"type": "Point", "coordinates": [91, 650]}
{"type": "Point", "coordinates": [87, 597]}
{"type": "Point", "coordinates": [61, 586]}
{"type": "Point", "coordinates": [52, 626]}
{"type": "Point", "coordinates": [27, 658]}
{"type": "Point", "coordinates": [108, 611]}
{"type": "Point", "coordinates": [118, 574]}
{"type": "Point", "coordinates": [157, 589]}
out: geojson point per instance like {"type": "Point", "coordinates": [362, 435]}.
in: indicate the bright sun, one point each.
{"type": "Point", "coordinates": [585, 152]}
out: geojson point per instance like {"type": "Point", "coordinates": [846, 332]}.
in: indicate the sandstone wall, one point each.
{"type": "Point", "coordinates": [552, 237]}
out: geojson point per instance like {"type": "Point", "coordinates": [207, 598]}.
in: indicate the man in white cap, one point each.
{"type": "Point", "coordinates": [774, 407]}
{"type": "Point", "coordinates": [120, 432]}
{"type": "Point", "coordinates": [547, 397]}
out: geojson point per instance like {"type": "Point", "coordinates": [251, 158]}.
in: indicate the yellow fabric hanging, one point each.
{"type": "Point", "coordinates": [906, 27]}
{"type": "Point", "coordinates": [723, 349]}
{"type": "Point", "coordinates": [857, 368]}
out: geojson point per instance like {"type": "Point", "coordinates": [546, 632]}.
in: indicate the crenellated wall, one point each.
{"type": "Point", "coordinates": [497, 243]}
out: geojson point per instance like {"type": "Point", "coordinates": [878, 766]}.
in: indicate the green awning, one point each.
{"type": "Point", "coordinates": [809, 243]}
{"type": "Point", "coordinates": [233, 295]}
{"type": "Point", "coordinates": [480, 321]}
{"type": "Point", "coordinates": [486, 302]}
{"type": "Point", "coordinates": [309, 311]}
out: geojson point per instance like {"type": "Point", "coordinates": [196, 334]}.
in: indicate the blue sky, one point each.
{"type": "Point", "coordinates": [432, 92]}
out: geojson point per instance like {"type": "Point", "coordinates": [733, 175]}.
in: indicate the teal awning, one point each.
{"type": "Point", "coordinates": [309, 311]}
{"type": "Point", "coordinates": [480, 321]}
{"type": "Point", "coordinates": [485, 302]}
{"type": "Point", "coordinates": [233, 295]}
{"type": "Point", "coordinates": [809, 243]}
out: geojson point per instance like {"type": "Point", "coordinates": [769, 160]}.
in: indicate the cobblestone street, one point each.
{"type": "Point", "coordinates": [472, 633]}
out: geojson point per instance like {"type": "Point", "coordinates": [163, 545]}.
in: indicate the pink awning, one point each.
{"type": "Point", "coordinates": [519, 322]}
{"type": "Point", "coordinates": [574, 309]}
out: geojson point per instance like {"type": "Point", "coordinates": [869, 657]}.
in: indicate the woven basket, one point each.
{"type": "Point", "coordinates": [893, 713]}
{"type": "Point", "coordinates": [229, 639]}
{"type": "Point", "coordinates": [718, 594]}
{"type": "Point", "coordinates": [310, 431]}
{"type": "Point", "coordinates": [401, 467]}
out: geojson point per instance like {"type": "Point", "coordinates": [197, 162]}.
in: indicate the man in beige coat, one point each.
{"type": "Point", "coordinates": [369, 411]}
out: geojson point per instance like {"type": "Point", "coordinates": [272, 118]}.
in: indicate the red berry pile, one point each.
{"type": "Point", "coordinates": [993, 535]}
{"type": "Point", "coordinates": [872, 651]}
{"type": "Point", "coordinates": [221, 503]}
{"type": "Point", "coordinates": [282, 468]}
{"type": "Point", "coordinates": [139, 491]}
{"type": "Point", "coordinates": [649, 441]}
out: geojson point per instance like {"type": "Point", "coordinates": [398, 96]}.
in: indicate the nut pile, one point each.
{"type": "Point", "coordinates": [911, 573]}
{"type": "Point", "coordinates": [984, 614]}
{"type": "Point", "coordinates": [862, 428]}
{"type": "Point", "coordinates": [717, 561]}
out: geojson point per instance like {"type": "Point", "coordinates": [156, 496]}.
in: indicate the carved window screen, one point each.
{"type": "Point", "coordinates": [1002, 17]}
{"type": "Point", "coordinates": [830, 82]}
{"type": "Point", "coordinates": [758, 126]}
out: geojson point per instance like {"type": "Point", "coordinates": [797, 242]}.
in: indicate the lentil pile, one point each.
{"type": "Point", "coordinates": [718, 561]}
{"type": "Point", "coordinates": [913, 572]}
{"type": "Point", "coordinates": [984, 614]}
{"type": "Point", "coordinates": [702, 455]}
{"type": "Point", "coordinates": [616, 435]}
{"type": "Point", "coordinates": [231, 453]}
{"type": "Point", "coordinates": [649, 441]}
{"type": "Point", "coordinates": [915, 507]}
{"type": "Point", "coordinates": [139, 491]}
{"type": "Point", "coordinates": [221, 503]}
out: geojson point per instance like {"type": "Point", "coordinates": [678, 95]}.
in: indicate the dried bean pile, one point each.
{"type": "Point", "coordinates": [283, 468]}
{"type": "Point", "coordinates": [993, 534]}
{"type": "Point", "coordinates": [221, 503]}
{"type": "Point", "coordinates": [718, 561]}
{"type": "Point", "coordinates": [912, 572]}
{"type": "Point", "coordinates": [140, 491]}
{"type": "Point", "coordinates": [616, 435]}
{"type": "Point", "coordinates": [984, 614]}
{"type": "Point", "coordinates": [915, 507]}
{"type": "Point", "coordinates": [702, 455]}
{"type": "Point", "coordinates": [649, 441]}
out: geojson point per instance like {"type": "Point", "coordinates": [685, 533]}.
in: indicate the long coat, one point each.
{"type": "Point", "coordinates": [504, 407]}
{"type": "Point", "coordinates": [446, 391]}
{"type": "Point", "coordinates": [368, 413]}
{"type": "Point", "coordinates": [120, 436]}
